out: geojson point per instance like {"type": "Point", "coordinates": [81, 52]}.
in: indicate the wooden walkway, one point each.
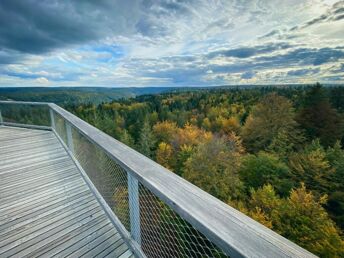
{"type": "Point", "coordinates": [46, 207]}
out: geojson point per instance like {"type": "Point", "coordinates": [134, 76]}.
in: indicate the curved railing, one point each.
{"type": "Point", "coordinates": [158, 213]}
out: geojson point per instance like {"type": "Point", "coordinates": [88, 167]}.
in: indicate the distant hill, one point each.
{"type": "Point", "coordinates": [75, 95]}
{"type": "Point", "coordinates": [96, 95]}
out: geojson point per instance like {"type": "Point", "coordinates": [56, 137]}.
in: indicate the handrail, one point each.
{"type": "Point", "coordinates": [14, 102]}
{"type": "Point", "coordinates": [232, 231]}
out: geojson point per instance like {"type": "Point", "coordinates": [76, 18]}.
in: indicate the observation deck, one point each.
{"type": "Point", "coordinates": [68, 189]}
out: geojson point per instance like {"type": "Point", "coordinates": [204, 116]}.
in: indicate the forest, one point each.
{"type": "Point", "coordinates": [74, 95]}
{"type": "Point", "coordinates": [276, 154]}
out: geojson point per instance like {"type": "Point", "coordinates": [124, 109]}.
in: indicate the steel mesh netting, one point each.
{"type": "Point", "coordinates": [60, 127]}
{"type": "Point", "coordinates": [165, 234]}
{"type": "Point", "coordinates": [25, 114]}
{"type": "Point", "coordinates": [107, 176]}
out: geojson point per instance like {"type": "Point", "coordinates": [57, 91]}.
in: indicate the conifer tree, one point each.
{"type": "Point", "coordinates": [147, 140]}
{"type": "Point", "coordinates": [319, 119]}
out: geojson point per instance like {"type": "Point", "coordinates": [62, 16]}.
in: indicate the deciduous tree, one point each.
{"type": "Point", "coordinates": [272, 115]}
{"type": "Point", "coordinates": [214, 168]}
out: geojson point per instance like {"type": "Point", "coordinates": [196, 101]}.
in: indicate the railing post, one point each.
{"type": "Point", "coordinates": [134, 208]}
{"type": "Point", "coordinates": [52, 118]}
{"type": "Point", "coordinates": [69, 137]}
{"type": "Point", "coordinates": [1, 120]}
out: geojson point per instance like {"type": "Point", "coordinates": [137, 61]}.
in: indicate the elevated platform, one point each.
{"type": "Point", "coordinates": [46, 207]}
{"type": "Point", "coordinates": [69, 189]}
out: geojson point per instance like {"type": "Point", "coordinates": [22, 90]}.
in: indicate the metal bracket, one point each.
{"type": "Point", "coordinates": [52, 118]}
{"type": "Point", "coordinates": [134, 208]}
{"type": "Point", "coordinates": [69, 137]}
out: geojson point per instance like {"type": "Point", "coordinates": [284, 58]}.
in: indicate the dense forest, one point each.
{"type": "Point", "coordinates": [275, 154]}
{"type": "Point", "coordinates": [74, 95]}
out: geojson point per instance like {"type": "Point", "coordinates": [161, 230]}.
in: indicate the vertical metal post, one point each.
{"type": "Point", "coordinates": [69, 137]}
{"type": "Point", "coordinates": [1, 121]}
{"type": "Point", "coordinates": [52, 119]}
{"type": "Point", "coordinates": [134, 208]}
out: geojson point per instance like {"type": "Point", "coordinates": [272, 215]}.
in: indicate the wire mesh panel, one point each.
{"type": "Point", "coordinates": [25, 114]}
{"type": "Point", "coordinates": [60, 127]}
{"type": "Point", "coordinates": [162, 232]}
{"type": "Point", "coordinates": [107, 176]}
{"type": "Point", "coordinates": [159, 230]}
{"type": "Point", "coordinates": [165, 234]}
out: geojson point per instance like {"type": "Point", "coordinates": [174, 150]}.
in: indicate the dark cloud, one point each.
{"type": "Point", "coordinates": [303, 72]}
{"type": "Point", "coordinates": [303, 56]}
{"type": "Point", "coordinates": [338, 69]}
{"type": "Point", "coordinates": [9, 57]}
{"type": "Point", "coordinates": [331, 15]}
{"type": "Point", "coordinates": [245, 52]}
{"type": "Point", "coordinates": [38, 26]}
{"type": "Point", "coordinates": [339, 10]}
{"type": "Point", "coordinates": [248, 75]}
{"type": "Point", "coordinates": [296, 58]}
{"type": "Point", "coordinates": [339, 17]}
{"type": "Point", "coordinates": [317, 20]}
{"type": "Point", "coordinates": [270, 34]}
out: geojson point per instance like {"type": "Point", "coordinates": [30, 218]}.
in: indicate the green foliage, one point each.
{"type": "Point", "coordinates": [280, 145]}
{"type": "Point", "coordinates": [127, 139]}
{"type": "Point", "coordinates": [319, 119]}
{"type": "Point", "coordinates": [264, 168]}
{"type": "Point", "coordinates": [335, 205]}
{"type": "Point", "coordinates": [312, 167]}
{"type": "Point", "coordinates": [147, 140]}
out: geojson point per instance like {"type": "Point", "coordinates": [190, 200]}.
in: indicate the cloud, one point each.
{"type": "Point", "coordinates": [302, 72]}
{"type": "Point", "coordinates": [40, 26]}
{"type": "Point", "coordinates": [304, 56]}
{"type": "Point", "coordinates": [245, 52]}
{"type": "Point", "coordinates": [248, 75]}
{"type": "Point", "coordinates": [170, 42]}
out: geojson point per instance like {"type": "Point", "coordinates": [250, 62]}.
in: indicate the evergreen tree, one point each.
{"type": "Point", "coordinates": [147, 140]}
{"type": "Point", "coordinates": [319, 119]}
{"type": "Point", "coordinates": [264, 168]}
{"type": "Point", "coordinates": [126, 138]}
{"type": "Point", "coordinates": [335, 204]}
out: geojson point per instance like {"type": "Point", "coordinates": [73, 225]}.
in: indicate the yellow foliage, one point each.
{"type": "Point", "coordinates": [165, 130]}
{"type": "Point", "coordinates": [259, 215]}
{"type": "Point", "coordinates": [206, 123]}
{"type": "Point", "coordinates": [231, 124]}
{"type": "Point", "coordinates": [164, 154]}
{"type": "Point", "coordinates": [191, 135]}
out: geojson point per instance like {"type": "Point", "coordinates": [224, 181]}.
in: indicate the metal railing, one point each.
{"type": "Point", "coordinates": [157, 212]}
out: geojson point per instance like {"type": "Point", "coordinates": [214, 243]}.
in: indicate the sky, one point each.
{"type": "Point", "coordinates": [126, 43]}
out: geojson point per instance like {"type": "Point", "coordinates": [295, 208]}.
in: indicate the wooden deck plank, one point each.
{"type": "Point", "coordinates": [102, 235]}
{"type": "Point", "coordinates": [46, 207]}
{"type": "Point", "coordinates": [75, 240]}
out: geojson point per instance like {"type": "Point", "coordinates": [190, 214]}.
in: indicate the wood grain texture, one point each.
{"type": "Point", "coordinates": [46, 207]}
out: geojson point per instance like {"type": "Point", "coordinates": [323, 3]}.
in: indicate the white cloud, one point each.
{"type": "Point", "coordinates": [166, 42]}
